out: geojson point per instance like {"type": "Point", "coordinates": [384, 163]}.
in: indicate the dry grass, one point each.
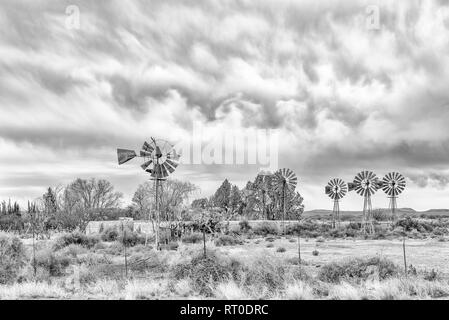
{"type": "Point", "coordinates": [249, 272]}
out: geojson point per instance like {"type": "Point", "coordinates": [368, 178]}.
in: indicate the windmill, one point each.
{"type": "Point", "coordinates": [284, 180]}
{"type": "Point", "coordinates": [366, 184]}
{"type": "Point", "coordinates": [160, 160]}
{"type": "Point", "coordinates": [393, 184]}
{"type": "Point", "coordinates": [336, 189]}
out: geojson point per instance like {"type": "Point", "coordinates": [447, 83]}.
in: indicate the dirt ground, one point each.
{"type": "Point", "coordinates": [422, 254]}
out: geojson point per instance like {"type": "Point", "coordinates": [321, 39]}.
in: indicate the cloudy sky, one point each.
{"type": "Point", "coordinates": [344, 93]}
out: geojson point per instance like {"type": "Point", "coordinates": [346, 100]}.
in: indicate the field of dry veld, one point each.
{"type": "Point", "coordinates": [235, 267]}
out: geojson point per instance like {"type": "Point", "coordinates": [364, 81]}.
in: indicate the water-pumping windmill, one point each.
{"type": "Point", "coordinates": [336, 189]}
{"type": "Point", "coordinates": [284, 180]}
{"type": "Point", "coordinates": [160, 160]}
{"type": "Point", "coordinates": [366, 184]}
{"type": "Point", "coordinates": [393, 184]}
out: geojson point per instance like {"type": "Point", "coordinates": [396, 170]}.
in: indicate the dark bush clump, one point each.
{"type": "Point", "coordinates": [12, 254]}
{"type": "Point", "coordinates": [131, 238]}
{"type": "Point", "coordinates": [204, 272]}
{"type": "Point", "coordinates": [264, 229]}
{"type": "Point", "coordinates": [408, 224]}
{"type": "Point", "coordinates": [76, 238]}
{"type": "Point", "coordinates": [52, 262]}
{"type": "Point", "coordinates": [193, 238]}
{"type": "Point", "coordinates": [358, 269]}
{"type": "Point", "coordinates": [226, 240]}
{"type": "Point", "coordinates": [110, 234]}
{"type": "Point", "coordinates": [244, 225]}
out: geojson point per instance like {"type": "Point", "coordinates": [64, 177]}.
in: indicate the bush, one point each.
{"type": "Point", "coordinates": [206, 272]}
{"type": "Point", "coordinates": [173, 245]}
{"type": "Point", "coordinates": [75, 238]}
{"type": "Point", "coordinates": [131, 238]}
{"type": "Point", "coordinates": [244, 225]}
{"type": "Point", "coordinates": [315, 252]}
{"type": "Point", "coordinates": [193, 238]}
{"type": "Point", "coordinates": [12, 258]}
{"type": "Point", "coordinates": [110, 234]}
{"type": "Point", "coordinates": [270, 245]}
{"type": "Point", "coordinates": [264, 229]}
{"type": "Point", "coordinates": [93, 259]}
{"type": "Point", "coordinates": [358, 269]}
{"type": "Point", "coordinates": [408, 224]}
{"type": "Point", "coordinates": [280, 249]}
{"type": "Point", "coordinates": [266, 272]}
{"type": "Point", "coordinates": [380, 215]}
{"type": "Point", "coordinates": [147, 261]}
{"type": "Point", "coordinates": [54, 263]}
{"type": "Point", "coordinates": [226, 240]}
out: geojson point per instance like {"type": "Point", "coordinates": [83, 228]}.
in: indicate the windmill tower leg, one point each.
{"type": "Point", "coordinates": [157, 212]}
{"type": "Point", "coordinates": [393, 207]}
{"type": "Point", "coordinates": [367, 215]}
{"type": "Point", "coordinates": [336, 215]}
{"type": "Point", "coordinates": [283, 211]}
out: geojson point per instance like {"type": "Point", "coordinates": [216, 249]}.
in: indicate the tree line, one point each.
{"type": "Point", "coordinates": [72, 206]}
{"type": "Point", "coordinates": [259, 199]}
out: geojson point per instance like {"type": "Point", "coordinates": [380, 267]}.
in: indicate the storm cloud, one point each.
{"type": "Point", "coordinates": [344, 96]}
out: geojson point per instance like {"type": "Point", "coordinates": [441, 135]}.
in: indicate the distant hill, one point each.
{"type": "Point", "coordinates": [321, 213]}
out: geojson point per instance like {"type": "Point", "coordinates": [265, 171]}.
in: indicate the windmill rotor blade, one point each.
{"type": "Point", "coordinates": [146, 164]}
{"type": "Point", "coordinates": [169, 167]}
{"type": "Point", "coordinates": [172, 163]}
{"type": "Point", "coordinates": [144, 153]}
{"type": "Point", "coordinates": [164, 171]}
{"type": "Point", "coordinates": [124, 155]}
{"type": "Point", "coordinates": [147, 147]}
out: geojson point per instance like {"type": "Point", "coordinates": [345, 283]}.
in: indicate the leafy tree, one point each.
{"type": "Point", "coordinates": [222, 197]}
{"type": "Point", "coordinates": [235, 200]}
{"type": "Point", "coordinates": [200, 203]}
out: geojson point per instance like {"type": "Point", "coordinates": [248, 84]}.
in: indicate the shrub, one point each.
{"type": "Point", "coordinates": [244, 225]}
{"type": "Point", "coordinates": [380, 215]}
{"type": "Point", "coordinates": [193, 238]}
{"type": "Point", "coordinates": [92, 259]}
{"type": "Point", "coordinates": [75, 238]}
{"type": "Point", "coordinates": [358, 269]}
{"type": "Point", "coordinates": [173, 245]}
{"type": "Point", "coordinates": [206, 272]}
{"type": "Point", "coordinates": [315, 252]}
{"type": "Point", "coordinates": [280, 249]}
{"type": "Point", "coordinates": [54, 263]}
{"type": "Point", "coordinates": [74, 250]}
{"type": "Point", "coordinates": [131, 238]}
{"type": "Point", "coordinates": [147, 261]}
{"type": "Point", "coordinates": [226, 240]}
{"type": "Point", "coordinates": [431, 275]}
{"type": "Point", "coordinates": [110, 234]}
{"type": "Point", "coordinates": [266, 272]}
{"type": "Point", "coordinates": [265, 228]}
{"type": "Point", "coordinates": [408, 224]}
{"type": "Point", "coordinates": [270, 239]}
{"type": "Point", "coordinates": [12, 258]}
{"type": "Point", "coordinates": [270, 245]}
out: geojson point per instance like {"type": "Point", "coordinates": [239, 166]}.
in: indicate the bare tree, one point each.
{"type": "Point", "coordinates": [173, 195]}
